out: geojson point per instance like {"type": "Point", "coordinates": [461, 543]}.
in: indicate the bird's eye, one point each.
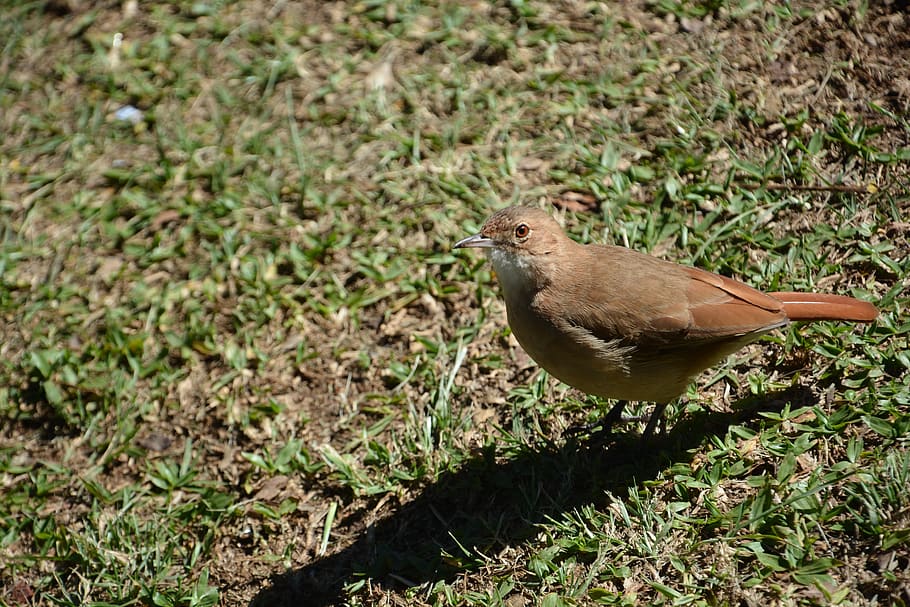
{"type": "Point", "coordinates": [522, 230]}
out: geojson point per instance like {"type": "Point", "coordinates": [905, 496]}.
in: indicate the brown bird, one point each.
{"type": "Point", "coordinates": [624, 325]}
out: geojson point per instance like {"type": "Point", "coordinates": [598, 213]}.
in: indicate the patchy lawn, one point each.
{"type": "Point", "coordinates": [241, 365]}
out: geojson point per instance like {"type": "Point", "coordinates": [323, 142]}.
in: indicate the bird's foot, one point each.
{"type": "Point", "coordinates": [577, 430]}
{"type": "Point", "coordinates": [601, 429]}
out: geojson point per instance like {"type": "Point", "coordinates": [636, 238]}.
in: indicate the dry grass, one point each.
{"type": "Point", "coordinates": [241, 364]}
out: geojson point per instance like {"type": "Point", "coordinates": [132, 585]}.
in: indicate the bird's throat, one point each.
{"type": "Point", "coordinates": [517, 274]}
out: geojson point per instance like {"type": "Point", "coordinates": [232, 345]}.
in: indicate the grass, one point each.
{"type": "Point", "coordinates": [240, 364]}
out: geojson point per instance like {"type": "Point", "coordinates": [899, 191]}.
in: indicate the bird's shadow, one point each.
{"type": "Point", "coordinates": [489, 504]}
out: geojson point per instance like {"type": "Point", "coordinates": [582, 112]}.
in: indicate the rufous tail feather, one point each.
{"type": "Point", "coordinates": [823, 306]}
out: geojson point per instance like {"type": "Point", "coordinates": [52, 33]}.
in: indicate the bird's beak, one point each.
{"type": "Point", "coordinates": [477, 241]}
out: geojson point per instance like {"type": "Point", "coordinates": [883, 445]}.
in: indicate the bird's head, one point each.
{"type": "Point", "coordinates": [522, 242]}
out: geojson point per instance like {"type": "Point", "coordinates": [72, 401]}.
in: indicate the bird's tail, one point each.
{"type": "Point", "coordinates": [822, 306]}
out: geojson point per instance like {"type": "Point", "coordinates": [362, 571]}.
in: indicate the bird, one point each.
{"type": "Point", "coordinates": [624, 325]}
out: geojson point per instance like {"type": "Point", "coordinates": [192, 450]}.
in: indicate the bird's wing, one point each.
{"type": "Point", "coordinates": [722, 307]}
{"type": "Point", "coordinates": [692, 306]}
{"type": "Point", "coordinates": [625, 295]}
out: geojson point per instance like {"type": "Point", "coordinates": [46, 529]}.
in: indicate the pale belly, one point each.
{"type": "Point", "coordinates": [606, 369]}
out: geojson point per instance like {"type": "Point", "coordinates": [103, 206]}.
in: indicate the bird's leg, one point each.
{"type": "Point", "coordinates": [606, 422]}
{"type": "Point", "coordinates": [614, 415]}
{"type": "Point", "coordinates": [655, 418]}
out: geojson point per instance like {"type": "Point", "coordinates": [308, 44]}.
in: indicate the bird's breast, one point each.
{"type": "Point", "coordinates": [572, 354]}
